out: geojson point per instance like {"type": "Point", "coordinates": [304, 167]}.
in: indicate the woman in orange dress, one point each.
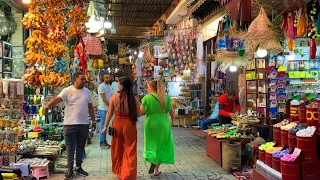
{"type": "Point", "coordinates": [124, 140]}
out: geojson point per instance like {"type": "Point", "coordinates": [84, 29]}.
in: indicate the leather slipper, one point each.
{"type": "Point", "coordinates": [152, 167]}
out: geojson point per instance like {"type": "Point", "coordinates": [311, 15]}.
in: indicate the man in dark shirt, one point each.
{"type": "Point", "coordinates": [226, 103]}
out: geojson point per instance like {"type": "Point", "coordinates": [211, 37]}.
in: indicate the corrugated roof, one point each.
{"type": "Point", "coordinates": [133, 17]}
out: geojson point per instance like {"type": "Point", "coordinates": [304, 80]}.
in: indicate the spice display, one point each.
{"type": "Point", "coordinates": [272, 150]}
{"type": "Point", "coordinates": [288, 126]}
{"type": "Point", "coordinates": [267, 145]}
{"type": "Point", "coordinates": [280, 154]}
{"type": "Point", "coordinates": [292, 157]}
{"type": "Point", "coordinates": [308, 132]}
{"type": "Point", "coordinates": [282, 123]}
{"type": "Point", "coordinates": [298, 128]}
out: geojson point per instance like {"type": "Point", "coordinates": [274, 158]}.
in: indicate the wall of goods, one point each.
{"type": "Point", "coordinates": [174, 58]}
{"type": "Point", "coordinates": [281, 74]}
{"type": "Point", "coordinates": [57, 47]}
{"type": "Point", "coordinates": [293, 83]}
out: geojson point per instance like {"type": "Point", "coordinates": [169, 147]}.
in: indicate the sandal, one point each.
{"type": "Point", "coordinates": [152, 167]}
{"type": "Point", "coordinates": [157, 174]}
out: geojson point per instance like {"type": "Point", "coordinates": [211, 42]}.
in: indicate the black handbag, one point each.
{"type": "Point", "coordinates": [111, 131]}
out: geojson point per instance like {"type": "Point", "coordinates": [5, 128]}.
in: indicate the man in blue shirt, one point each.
{"type": "Point", "coordinates": [213, 118]}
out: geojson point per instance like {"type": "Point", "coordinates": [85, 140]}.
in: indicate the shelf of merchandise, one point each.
{"type": "Point", "coordinates": [257, 96]}
{"type": "Point", "coordinates": [6, 64]}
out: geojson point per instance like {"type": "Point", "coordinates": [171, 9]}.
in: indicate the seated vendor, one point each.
{"type": "Point", "coordinates": [226, 102]}
{"type": "Point", "coordinates": [213, 118]}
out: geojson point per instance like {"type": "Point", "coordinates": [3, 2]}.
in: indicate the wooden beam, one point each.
{"type": "Point", "coordinates": [135, 11]}
{"type": "Point", "coordinates": [149, 25]}
{"type": "Point", "coordinates": [140, 4]}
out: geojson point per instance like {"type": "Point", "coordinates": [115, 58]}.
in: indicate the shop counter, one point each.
{"type": "Point", "coordinates": [214, 147]}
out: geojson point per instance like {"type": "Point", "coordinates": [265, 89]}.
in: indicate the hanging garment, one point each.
{"type": "Point", "coordinates": [200, 64]}
{"type": "Point", "coordinates": [93, 45]}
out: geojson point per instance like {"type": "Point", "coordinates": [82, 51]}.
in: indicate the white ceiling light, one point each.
{"type": "Point", "coordinates": [26, 1]}
{"type": "Point", "coordinates": [233, 68]}
{"type": "Point", "coordinates": [93, 25]}
{"type": "Point", "coordinates": [261, 52]}
{"type": "Point", "coordinates": [107, 24]}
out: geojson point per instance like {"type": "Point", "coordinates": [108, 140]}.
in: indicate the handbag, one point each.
{"type": "Point", "coordinates": [111, 131]}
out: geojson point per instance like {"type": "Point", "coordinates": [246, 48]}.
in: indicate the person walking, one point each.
{"type": "Point", "coordinates": [105, 92]}
{"type": "Point", "coordinates": [124, 140]}
{"type": "Point", "coordinates": [158, 141]}
{"type": "Point", "coordinates": [78, 104]}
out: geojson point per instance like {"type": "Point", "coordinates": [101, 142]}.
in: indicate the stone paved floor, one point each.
{"type": "Point", "coordinates": [190, 153]}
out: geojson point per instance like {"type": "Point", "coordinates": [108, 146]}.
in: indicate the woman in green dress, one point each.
{"type": "Point", "coordinates": [158, 141]}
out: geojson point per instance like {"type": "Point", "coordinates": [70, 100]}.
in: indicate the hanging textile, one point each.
{"type": "Point", "coordinates": [93, 45]}
{"type": "Point", "coordinates": [239, 10]}
{"type": "Point", "coordinates": [200, 53]}
{"type": "Point", "coordinates": [92, 11]}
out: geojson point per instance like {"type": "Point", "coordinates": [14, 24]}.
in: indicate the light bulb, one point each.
{"type": "Point", "coordinates": [26, 1]}
{"type": "Point", "coordinates": [135, 52]}
{"type": "Point", "coordinates": [94, 24]}
{"type": "Point", "coordinates": [261, 52]}
{"type": "Point", "coordinates": [233, 68]}
{"type": "Point", "coordinates": [107, 24]}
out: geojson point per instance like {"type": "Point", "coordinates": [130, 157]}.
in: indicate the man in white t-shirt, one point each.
{"type": "Point", "coordinates": [114, 85]}
{"type": "Point", "coordinates": [105, 92]}
{"type": "Point", "coordinates": [78, 104]}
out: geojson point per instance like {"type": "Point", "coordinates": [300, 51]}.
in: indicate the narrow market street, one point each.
{"type": "Point", "coordinates": [191, 160]}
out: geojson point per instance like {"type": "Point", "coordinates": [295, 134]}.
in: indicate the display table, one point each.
{"type": "Point", "coordinates": [214, 147]}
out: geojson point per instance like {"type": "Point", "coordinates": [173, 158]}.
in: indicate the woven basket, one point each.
{"type": "Point", "coordinates": [260, 34]}
{"type": "Point", "coordinates": [233, 58]}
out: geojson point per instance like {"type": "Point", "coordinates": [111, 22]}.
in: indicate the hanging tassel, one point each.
{"type": "Point", "coordinates": [226, 27]}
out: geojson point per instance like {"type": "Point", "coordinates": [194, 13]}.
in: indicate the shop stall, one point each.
{"type": "Point", "coordinates": [31, 141]}
{"type": "Point", "coordinates": [292, 149]}
{"type": "Point", "coordinates": [277, 131]}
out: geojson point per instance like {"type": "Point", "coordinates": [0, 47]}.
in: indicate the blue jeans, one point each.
{"type": "Point", "coordinates": [204, 123]}
{"type": "Point", "coordinates": [102, 114]}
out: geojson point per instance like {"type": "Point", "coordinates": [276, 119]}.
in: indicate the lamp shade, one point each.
{"type": "Point", "coordinates": [261, 52]}
{"type": "Point", "coordinates": [233, 68]}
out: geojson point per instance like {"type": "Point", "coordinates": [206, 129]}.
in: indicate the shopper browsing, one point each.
{"type": "Point", "coordinates": [158, 141]}
{"type": "Point", "coordinates": [226, 102]}
{"type": "Point", "coordinates": [124, 140]}
{"type": "Point", "coordinates": [105, 92]}
{"type": "Point", "coordinates": [213, 118]}
{"type": "Point", "coordinates": [78, 104]}
{"type": "Point", "coordinates": [114, 85]}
